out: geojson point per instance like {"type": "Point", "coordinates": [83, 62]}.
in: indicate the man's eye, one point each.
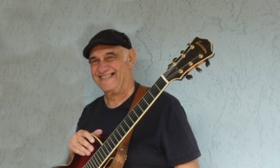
{"type": "Point", "coordinates": [93, 61]}
{"type": "Point", "coordinates": [111, 58]}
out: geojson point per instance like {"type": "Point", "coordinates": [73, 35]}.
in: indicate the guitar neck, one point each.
{"type": "Point", "coordinates": [127, 124]}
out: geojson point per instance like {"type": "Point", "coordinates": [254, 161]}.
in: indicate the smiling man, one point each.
{"type": "Point", "coordinates": [163, 138]}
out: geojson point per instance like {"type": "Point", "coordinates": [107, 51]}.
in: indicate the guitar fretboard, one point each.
{"type": "Point", "coordinates": [127, 124]}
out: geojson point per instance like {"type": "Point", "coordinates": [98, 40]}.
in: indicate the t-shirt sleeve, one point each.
{"type": "Point", "coordinates": [178, 139]}
{"type": "Point", "coordinates": [82, 120]}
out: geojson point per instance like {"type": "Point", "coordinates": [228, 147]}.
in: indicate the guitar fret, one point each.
{"type": "Point", "coordinates": [109, 145]}
{"type": "Point", "coordinates": [161, 81]}
{"type": "Point", "coordinates": [144, 104]}
{"type": "Point", "coordinates": [138, 111]}
{"type": "Point", "coordinates": [129, 119]}
{"type": "Point", "coordinates": [103, 156]}
{"type": "Point", "coordinates": [144, 100]}
{"type": "Point", "coordinates": [119, 131]}
{"type": "Point", "coordinates": [124, 126]}
{"type": "Point", "coordinates": [95, 164]}
{"type": "Point", "coordinates": [148, 98]}
{"type": "Point", "coordinates": [122, 129]}
{"type": "Point", "coordinates": [100, 155]}
{"type": "Point", "coordinates": [118, 134]}
{"type": "Point", "coordinates": [126, 121]}
{"type": "Point", "coordinates": [134, 116]}
{"type": "Point", "coordinates": [157, 87]}
{"type": "Point", "coordinates": [140, 107]}
{"type": "Point", "coordinates": [151, 94]}
{"type": "Point", "coordinates": [106, 150]}
{"type": "Point", "coordinates": [115, 138]}
{"type": "Point", "coordinates": [90, 164]}
{"type": "Point", "coordinates": [98, 160]}
{"type": "Point", "coordinates": [111, 142]}
{"type": "Point", "coordinates": [154, 91]}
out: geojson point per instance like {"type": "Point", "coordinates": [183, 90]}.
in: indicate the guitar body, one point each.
{"type": "Point", "coordinates": [80, 161]}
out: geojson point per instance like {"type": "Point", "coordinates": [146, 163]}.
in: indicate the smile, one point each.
{"type": "Point", "coordinates": [106, 76]}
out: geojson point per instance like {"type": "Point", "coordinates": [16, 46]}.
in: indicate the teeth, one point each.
{"type": "Point", "coordinates": [106, 76]}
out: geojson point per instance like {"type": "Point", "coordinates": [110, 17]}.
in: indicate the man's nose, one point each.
{"type": "Point", "coordinates": [102, 67]}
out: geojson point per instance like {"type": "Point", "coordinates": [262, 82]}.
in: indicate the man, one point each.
{"type": "Point", "coordinates": [162, 139]}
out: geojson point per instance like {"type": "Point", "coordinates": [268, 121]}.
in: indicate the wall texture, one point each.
{"type": "Point", "coordinates": [233, 106]}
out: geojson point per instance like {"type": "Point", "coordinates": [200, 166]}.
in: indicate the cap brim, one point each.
{"type": "Point", "coordinates": [90, 46]}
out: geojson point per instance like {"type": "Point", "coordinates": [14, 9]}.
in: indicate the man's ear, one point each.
{"type": "Point", "coordinates": [132, 58]}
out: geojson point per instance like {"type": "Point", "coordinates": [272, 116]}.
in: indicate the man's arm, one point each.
{"type": "Point", "coordinates": [191, 164]}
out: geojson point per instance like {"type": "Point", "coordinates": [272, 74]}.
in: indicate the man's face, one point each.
{"type": "Point", "coordinates": [112, 67]}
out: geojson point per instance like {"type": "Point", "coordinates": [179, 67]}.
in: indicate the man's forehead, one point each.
{"type": "Point", "coordinates": [106, 49]}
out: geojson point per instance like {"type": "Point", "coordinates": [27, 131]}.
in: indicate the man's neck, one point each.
{"type": "Point", "coordinates": [114, 100]}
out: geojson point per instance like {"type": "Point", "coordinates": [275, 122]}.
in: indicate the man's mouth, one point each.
{"type": "Point", "coordinates": [106, 76]}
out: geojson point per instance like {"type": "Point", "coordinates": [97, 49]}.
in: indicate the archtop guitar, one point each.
{"type": "Point", "coordinates": [198, 52]}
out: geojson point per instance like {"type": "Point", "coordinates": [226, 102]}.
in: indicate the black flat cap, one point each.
{"type": "Point", "coordinates": [107, 37]}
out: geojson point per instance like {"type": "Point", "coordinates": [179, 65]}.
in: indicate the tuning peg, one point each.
{"type": "Point", "coordinates": [198, 69]}
{"type": "Point", "coordinates": [169, 65]}
{"type": "Point", "coordinates": [189, 77]}
{"type": "Point", "coordinates": [190, 46]}
{"type": "Point", "coordinates": [182, 51]}
{"type": "Point", "coordinates": [175, 59]}
{"type": "Point", "coordinates": [207, 63]}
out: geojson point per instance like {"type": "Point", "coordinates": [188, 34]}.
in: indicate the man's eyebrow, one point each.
{"type": "Point", "coordinates": [108, 53]}
{"type": "Point", "coordinates": [111, 53]}
{"type": "Point", "coordinates": [91, 57]}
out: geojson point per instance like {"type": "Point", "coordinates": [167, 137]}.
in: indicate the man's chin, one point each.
{"type": "Point", "coordinates": [105, 85]}
{"type": "Point", "coordinates": [107, 88]}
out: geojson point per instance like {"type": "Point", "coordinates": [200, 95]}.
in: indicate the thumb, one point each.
{"type": "Point", "coordinates": [97, 132]}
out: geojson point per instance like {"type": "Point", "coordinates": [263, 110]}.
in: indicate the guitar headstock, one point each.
{"type": "Point", "coordinates": [198, 52]}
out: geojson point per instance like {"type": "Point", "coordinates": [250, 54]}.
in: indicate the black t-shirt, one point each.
{"type": "Point", "coordinates": [162, 139]}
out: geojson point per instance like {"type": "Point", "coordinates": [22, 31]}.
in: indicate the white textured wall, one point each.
{"type": "Point", "coordinates": [233, 106]}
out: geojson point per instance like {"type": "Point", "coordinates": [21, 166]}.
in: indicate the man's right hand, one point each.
{"type": "Point", "coordinates": [81, 142]}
